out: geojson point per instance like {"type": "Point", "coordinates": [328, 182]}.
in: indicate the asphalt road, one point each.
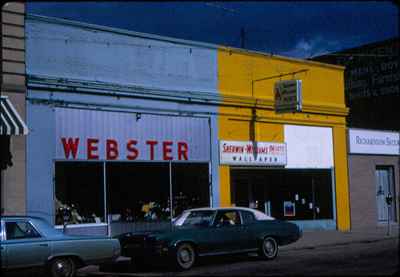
{"type": "Point", "coordinates": [372, 258]}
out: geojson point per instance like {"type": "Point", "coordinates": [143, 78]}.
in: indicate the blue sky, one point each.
{"type": "Point", "coordinates": [295, 28]}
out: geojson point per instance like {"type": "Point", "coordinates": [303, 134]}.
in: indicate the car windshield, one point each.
{"type": "Point", "coordinates": [195, 218]}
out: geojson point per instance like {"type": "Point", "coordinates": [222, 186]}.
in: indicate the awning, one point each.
{"type": "Point", "coordinates": [11, 122]}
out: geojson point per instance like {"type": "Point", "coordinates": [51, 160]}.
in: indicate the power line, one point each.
{"type": "Point", "coordinates": [220, 7]}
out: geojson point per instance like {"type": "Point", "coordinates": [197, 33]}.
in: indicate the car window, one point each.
{"type": "Point", "coordinates": [199, 218]}
{"type": "Point", "coordinates": [248, 217]}
{"type": "Point", "coordinates": [228, 218]}
{"type": "Point", "coordinates": [20, 230]}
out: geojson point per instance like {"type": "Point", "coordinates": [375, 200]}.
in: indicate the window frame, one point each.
{"type": "Point", "coordinates": [243, 212]}
{"type": "Point", "coordinates": [222, 212]}
{"type": "Point", "coordinates": [40, 235]}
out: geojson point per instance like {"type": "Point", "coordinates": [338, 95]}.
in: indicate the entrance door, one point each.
{"type": "Point", "coordinates": [384, 186]}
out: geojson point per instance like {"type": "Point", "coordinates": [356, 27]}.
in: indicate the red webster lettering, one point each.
{"type": "Point", "coordinates": [151, 143]}
{"type": "Point", "coordinates": [111, 149]}
{"type": "Point", "coordinates": [167, 150]}
{"type": "Point", "coordinates": [182, 151]}
{"type": "Point", "coordinates": [134, 153]}
{"type": "Point", "coordinates": [92, 149]}
{"type": "Point", "coordinates": [70, 146]}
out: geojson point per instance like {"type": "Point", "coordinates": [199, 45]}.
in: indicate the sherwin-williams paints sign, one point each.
{"type": "Point", "coordinates": [252, 153]}
{"type": "Point", "coordinates": [103, 135]}
{"type": "Point", "coordinates": [374, 142]}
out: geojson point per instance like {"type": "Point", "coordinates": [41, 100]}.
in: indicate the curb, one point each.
{"type": "Point", "coordinates": [336, 244]}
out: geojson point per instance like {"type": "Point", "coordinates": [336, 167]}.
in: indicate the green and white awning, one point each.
{"type": "Point", "coordinates": [11, 122]}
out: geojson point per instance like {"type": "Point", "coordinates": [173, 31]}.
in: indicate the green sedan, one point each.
{"type": "Point", "coordinates": [210, 231]}
{"type": "Point", "coordinates": [30, 242]}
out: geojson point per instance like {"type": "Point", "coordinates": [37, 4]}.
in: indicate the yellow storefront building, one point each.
{"type": "Point", "coordinates": [311, 187]}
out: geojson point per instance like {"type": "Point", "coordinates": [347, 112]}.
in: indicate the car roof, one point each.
{"type": "Point", "coordinates": [258, 214]}
{"type": "Point", "coordinates": [221, 208]}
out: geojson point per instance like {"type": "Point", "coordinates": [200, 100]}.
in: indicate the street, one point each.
{"type": "Point", "coordinates": [370, 258]}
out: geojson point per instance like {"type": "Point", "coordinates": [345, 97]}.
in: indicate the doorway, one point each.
{"type": "Point", "coordinates": [384, 187]}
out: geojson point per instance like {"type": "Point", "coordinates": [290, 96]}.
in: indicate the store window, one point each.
{"type": "Point", "coordinates": [284, 194]}
{"type": "Point", "coordinates": [138, 191]}
{"type": "Point", "coordinates": [79, 192]}
{"type": "Point", "coordinates": [141, 192]}
{"type": "Point", "coordinates": [190, 186]}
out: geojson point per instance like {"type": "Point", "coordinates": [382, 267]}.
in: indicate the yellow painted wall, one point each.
{"type": "Point", "coordinates": [323, 105]}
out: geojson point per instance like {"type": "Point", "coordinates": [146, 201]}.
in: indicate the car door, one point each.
{"type": "Point", "coordinates": [250, 228]}
{"type": "Point", "coordinates": [228, 232]}
{"type": "Point", "coordinates": [24, 246]}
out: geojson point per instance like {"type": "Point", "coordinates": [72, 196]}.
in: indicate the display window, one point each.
{"type": "Point", "coordinates": [79, 193]}
{"type": "Point", "coordinates": [283, 193]}
{"type": "Point", "coordinates": [136, 192]}
{"type": "Point", "coordinates": [141, 192]}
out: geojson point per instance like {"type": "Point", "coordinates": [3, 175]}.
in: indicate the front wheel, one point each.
{"type": "Point", "coordinates": [268, 248]}
{"type": "Point", "coordinates": [62, 267]}
{"type": "Point", "coordinates": [185, 256]}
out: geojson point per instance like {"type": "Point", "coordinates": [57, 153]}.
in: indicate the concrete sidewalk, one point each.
{"type": "Point", "coordinates": [312, 239]}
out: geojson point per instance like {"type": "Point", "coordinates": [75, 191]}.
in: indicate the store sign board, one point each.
{"type": "Point", "coordinates": [374, 142]}
{"type": "Point", "coordinates": [243, 153]}
{"type": "Point", "coordinates": [309, 146]}
{"type": "Point", "coordinates": [288, 96]}
{"type": "Point", "coordinates": [103, 135]}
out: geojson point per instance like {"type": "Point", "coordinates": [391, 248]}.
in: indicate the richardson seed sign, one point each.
{"type": "Point", "coordinates": [252, 153]}
{"type": "Point", "coordinates": [117, 136]}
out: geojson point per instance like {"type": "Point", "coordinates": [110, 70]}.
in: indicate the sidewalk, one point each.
{"type": "Point", "coordinates": [312, 239]}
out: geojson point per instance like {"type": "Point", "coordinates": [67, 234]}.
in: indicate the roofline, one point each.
{"type": "Point", "coordinates": [284, 58]}
{"type": "Point", "coordinates": [119, 31]}
{"type": "Point", "coordinates": [356, 49]}
{"type": "Point", "coordinates": [175, 40]}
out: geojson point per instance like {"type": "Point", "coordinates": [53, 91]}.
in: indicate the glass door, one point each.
{"type": "Point", "coordinates": [384, 187]}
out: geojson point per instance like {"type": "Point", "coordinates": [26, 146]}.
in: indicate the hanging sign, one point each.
{"type": "Point", "coordinates": [288, 97]}
{"type": "Point", "coordinates": [243, 153]}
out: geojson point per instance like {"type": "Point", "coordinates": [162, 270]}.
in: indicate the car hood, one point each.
{"type": "Point", "coordinates": [154, 233]}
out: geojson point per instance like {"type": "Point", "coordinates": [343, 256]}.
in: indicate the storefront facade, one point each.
{"type": "Point", "coordinates": [374, 160]}
{"type": "Point", "coordinates": [133, 128]}
{"type": "Point", "coordinates": [118, 132]}
{"type": "Point", "coordinates": [311, 187]}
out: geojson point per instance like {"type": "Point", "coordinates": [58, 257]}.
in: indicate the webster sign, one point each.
{"type": "Point", "coordinates": [288, 96]}
{"type": "Point", "coordinates": [251, 153]}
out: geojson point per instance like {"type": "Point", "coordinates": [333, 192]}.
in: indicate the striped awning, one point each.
{"type": "Point", "coordinates": [11, 122]}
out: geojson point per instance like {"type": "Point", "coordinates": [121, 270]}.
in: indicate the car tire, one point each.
{"type": "Point", "coordinates": [268, 248]}
{"type": "Point", "coordinates": [185, 256]}
{"type": "Point", "coordinates": [62, 267]}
